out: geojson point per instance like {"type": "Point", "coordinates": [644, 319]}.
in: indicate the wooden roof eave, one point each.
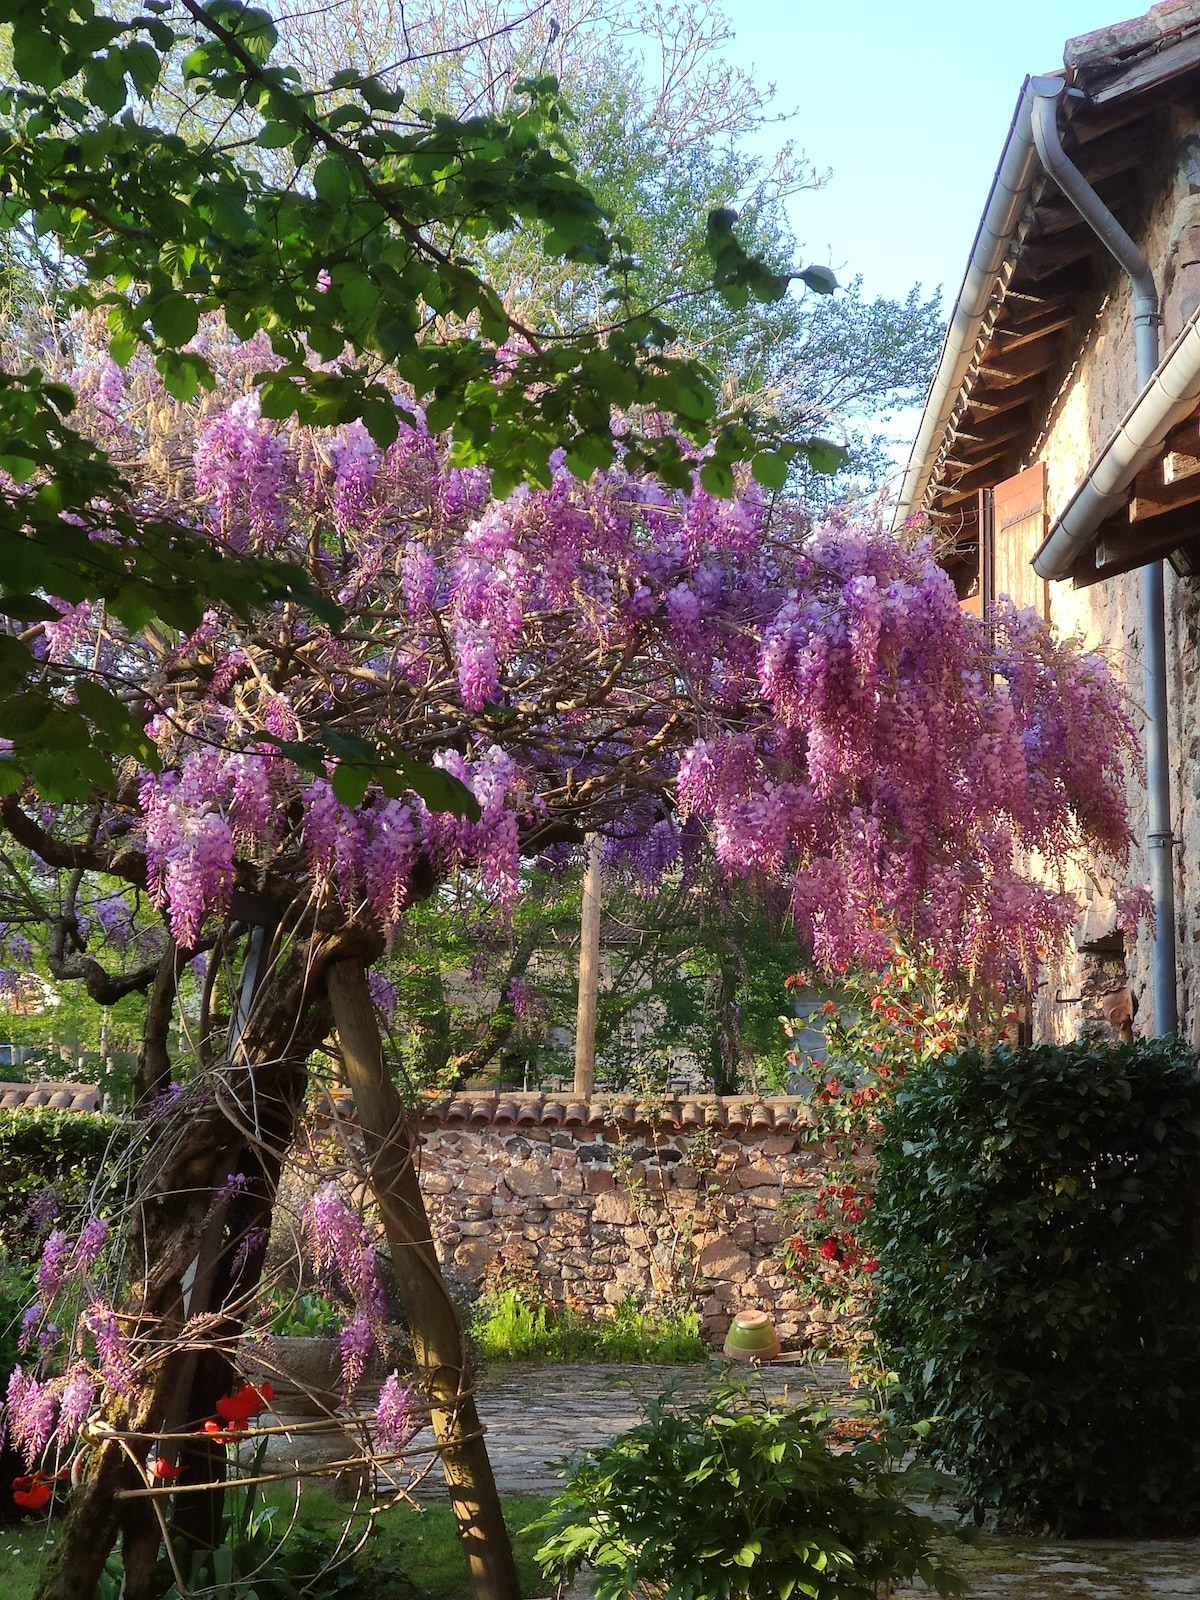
{"type": "Point", "coordinates": [1043, 240]}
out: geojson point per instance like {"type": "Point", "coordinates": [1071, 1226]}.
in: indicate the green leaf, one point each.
{"type": "Point", "coordinates": [175, 319]}
{"type": "Point", "coordinates": [820, 279]}
{"type": "Point", "coordinates": [275, 136]}
{"type": "Point", "coordinates": [717, 479]}
{"type": "Point", "coordinates": [350, 783]}
{"type": "Point", "coordinates": [770, 468]}
{"type": "Point", "coordinates": [37, 55]}
{"type": "Point", "coordinates": [824, 456]}
{"type": "Point", "coordinates": [332, 181]}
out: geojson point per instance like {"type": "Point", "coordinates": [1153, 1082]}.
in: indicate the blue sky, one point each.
{"type": "Point", "coordinates": [909, 104]}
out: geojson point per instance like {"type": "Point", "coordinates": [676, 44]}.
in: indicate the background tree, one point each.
{"type": "Point", "coordinates": [664, 131]}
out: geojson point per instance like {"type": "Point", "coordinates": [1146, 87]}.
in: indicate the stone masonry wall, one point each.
{"type": "Point", "coordinates": [1099, 386]}
{"type": "Point", "coordinates": [597, 1202]}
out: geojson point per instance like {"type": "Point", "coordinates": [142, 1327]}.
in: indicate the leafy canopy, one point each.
{"type": "Point", "coordinates": [349, 253]}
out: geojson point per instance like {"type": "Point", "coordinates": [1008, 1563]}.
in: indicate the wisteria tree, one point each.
{"type": "Point", "coordinates": [678, 672]}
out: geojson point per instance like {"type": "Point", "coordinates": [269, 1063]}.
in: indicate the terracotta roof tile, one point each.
{"type": "Point", "coordinates": [58, 1096]}
{"type": "Point", "coordinates": [1123, 39]}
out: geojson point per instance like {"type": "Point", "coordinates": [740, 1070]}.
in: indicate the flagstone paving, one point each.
{"type": "Point", "coordinates": [538, 1415]}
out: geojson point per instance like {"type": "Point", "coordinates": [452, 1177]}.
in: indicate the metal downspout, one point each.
{"type": "Point", "coordinates": [1146, 320]}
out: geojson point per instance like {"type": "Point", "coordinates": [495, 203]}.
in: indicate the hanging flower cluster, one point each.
{"type": "Point", "coordinates": [336, 1240]}
{"type": "Point", "coordinates": [666, 668]}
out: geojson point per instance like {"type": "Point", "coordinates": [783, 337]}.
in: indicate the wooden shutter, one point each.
{"type": "Point", "coordinates": [1018, 527]}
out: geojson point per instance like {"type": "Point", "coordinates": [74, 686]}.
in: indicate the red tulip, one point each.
{"type": "Point", "coordinates": [33, 1498]}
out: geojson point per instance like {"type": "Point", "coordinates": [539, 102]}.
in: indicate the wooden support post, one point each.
{"type": "Point", "coordinates": [391, 1139]}
{"type": "Point", "coordinates": [589, 972]}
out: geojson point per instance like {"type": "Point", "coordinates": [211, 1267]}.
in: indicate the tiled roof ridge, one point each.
{"type": "Point", "coordinates": [56, 1096]}
{"type": "Point", "coordinates": [610, 1108]}
{"type": "Point", "coordinates": [528, 1108]}
{"type": "Point", "coordinates": [1117, 44]}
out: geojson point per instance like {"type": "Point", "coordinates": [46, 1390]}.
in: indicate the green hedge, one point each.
{"type": "Point", "coordinates": [1038, 1231]}
{"type": "Point", "coordinates": [42, 1148]}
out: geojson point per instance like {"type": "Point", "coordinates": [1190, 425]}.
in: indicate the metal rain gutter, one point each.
{"type": "Point", "coordinates": [1167, 400]}
{"type": "Point", "coordinates": [1018, 170]}
{"type": "Point", "coordinates": [1153, 400]}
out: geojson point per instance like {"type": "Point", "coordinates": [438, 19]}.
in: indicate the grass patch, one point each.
{"type": "Point", "coordinates": [416, 1555]}
{"type": "Point", "coordinates": [513, 1324]}
{"type": "Point", "coordinates": [413, 1555]}
{"type": "Point", "coordinates": [24, 1548]}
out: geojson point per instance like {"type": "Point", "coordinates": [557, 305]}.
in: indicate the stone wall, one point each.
{"type": "Point", "coordinates": [599, 1200]}
{"type": "Point", "coordinates": [1097, 387]}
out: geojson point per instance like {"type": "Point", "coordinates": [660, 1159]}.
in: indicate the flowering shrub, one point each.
{"type": "Point", "coordinates": [1039, 1280]}
{"type": "Point", "coordinates": [885, 1024]}
{"type": "Point", "coordinates": [76, 1354]}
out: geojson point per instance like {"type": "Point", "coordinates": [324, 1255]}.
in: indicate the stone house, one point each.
{"type": "Point", "coordinates": [1058, 459]}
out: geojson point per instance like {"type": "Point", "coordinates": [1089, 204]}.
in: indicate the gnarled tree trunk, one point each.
{"type": "Point", "coordinates": [177, 1221]}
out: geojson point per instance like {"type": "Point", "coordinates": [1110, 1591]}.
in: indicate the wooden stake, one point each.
{"type": "Point", "coordinates": [589, 972]}
{"type": "Point", "coordinates": [391, 1137]}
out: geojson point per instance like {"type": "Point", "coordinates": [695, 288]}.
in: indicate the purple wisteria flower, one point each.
{"type": "Point", "coordinates": [91, 1241]}
{"type": "Point", "coordinates": [397, 1418]}
{"type": "Point", "coordinates": [41, 1211]}
{"type": "Point", "coordinates": [29, 1323]}
{"type": "Point", "coordinates": [30, 1409]}
{"type": "Point", "coordinates": [112, 1351]}
{"type": "Point", "coordinates": [336, 1237]}
{"type": "Point", "coordinates": [383, 993]}
{"type": "Point", "coordinates": [54, 1266]}
{"type": "Point", "coordinates": [77, 1401]}
{"type": "Point", "coordinates": [357, 1341]}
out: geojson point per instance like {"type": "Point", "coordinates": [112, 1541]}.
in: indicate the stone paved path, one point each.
{"type": "Point", "coordinates": [537, 1415]}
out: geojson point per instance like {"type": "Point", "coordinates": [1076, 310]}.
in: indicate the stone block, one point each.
{"type": "Point", "coordinates": [613, 1207]}
{"type": "Point", "coordinates": [779, 1144]}
{"type": "Point", "coordinates": [471, 1257]}
{"type": "Point", "coordinates": [437, 1183]}
{"type": "Point", "coordinates": [477, 1180]}
{"type": "Point", "coordinates": [757, 1177]}
{"type": "Point", "coordinates": [721, 1259]}
{"type": "Point", "coordinates": [529, 1179]}
{"type": "Point", "coordinates": [598, 1181]}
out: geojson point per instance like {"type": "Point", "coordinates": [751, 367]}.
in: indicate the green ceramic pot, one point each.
{"type": "Point", "coordinates": [752, 1337]}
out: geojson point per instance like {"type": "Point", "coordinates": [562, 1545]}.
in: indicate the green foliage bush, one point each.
{"type": "Point", "coordinates": [511, 1322]}
{"type": "Point", "coordinates": [44, 1148]}
{"type": "Point", "coordinates": [733, 1499]}
{"type": "Point", "coordinates": [1036, 1224]}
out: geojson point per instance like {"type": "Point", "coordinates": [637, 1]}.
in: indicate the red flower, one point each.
{"type": "Point", "coordinates": [244, 1403]}
{"type": "Point", "coordinates": [35, 1497]}
{"type": "Point", "coordinates": [163, 1469]}
{"type": "Point", "coordinates": [870, 1264]}
{"type": "Point", "coordinates": [829, 1249]}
